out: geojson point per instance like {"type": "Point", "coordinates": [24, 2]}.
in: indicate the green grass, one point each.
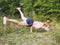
{"type": "Point", "coordinates": [12, 34]}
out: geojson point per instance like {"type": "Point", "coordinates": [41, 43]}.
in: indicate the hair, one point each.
{"type": "Point", "coordinates": [48, 21]}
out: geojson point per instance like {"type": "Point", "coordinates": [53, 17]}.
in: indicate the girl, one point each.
{"type": "Point", "coordinates": [28, 22]}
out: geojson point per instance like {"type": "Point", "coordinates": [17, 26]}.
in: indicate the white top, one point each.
{"type": "Point", "coordinates": [37, 24]}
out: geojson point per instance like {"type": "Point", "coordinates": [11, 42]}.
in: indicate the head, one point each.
{"type": "Point", "coordinates": [48, 21]}
{"type": "Point", "coordinates": [47, 25]}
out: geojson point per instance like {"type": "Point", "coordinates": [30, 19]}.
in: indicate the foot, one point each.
{"type": "Point", "coordinates": [4, 20]}
{"type": "Point", "coordinates": [18, 8]}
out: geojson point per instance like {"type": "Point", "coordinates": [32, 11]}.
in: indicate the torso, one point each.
{"type": "Point", "coordinates": [37, 24]}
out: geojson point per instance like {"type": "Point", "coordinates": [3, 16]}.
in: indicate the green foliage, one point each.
{"type": "Point", "coordinates": [8, 6]}
{"type": "Point", "coordinates": [32, 8]}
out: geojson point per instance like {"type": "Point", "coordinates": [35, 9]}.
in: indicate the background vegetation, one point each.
{"type": "Point", "coordinates": [40, 10]}
{"type": "Point", "coordinates": [32, 8]}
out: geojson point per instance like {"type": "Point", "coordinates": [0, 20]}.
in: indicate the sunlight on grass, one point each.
{"type": "Point", "coordinates": [12, 34]}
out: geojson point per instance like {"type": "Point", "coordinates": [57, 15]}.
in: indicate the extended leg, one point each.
{"type": "Point", "coordinates": [22, 15]}
{"type": "Point", "coordinates": [22, 23]}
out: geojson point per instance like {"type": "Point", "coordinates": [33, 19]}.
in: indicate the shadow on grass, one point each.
{"type": "Point", "coordinates": [41, 31]}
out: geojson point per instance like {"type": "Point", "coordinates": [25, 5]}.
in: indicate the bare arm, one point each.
{"type": "Point", "coordinates": [31, 29]}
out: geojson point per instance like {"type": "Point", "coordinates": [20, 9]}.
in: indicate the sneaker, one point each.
{"type": "Point", "coordinates": [4, 20]}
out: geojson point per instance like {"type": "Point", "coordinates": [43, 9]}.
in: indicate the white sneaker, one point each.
{"type": "Point", "coordinates": [4, 20]}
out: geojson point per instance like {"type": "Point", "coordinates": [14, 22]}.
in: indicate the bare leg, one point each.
{"type": "Point", "coordinates": [22, 15]}
{"type": "Point", "coordinates": [21, 23]}
{"type": "Point", "coordinates": [13, 21]}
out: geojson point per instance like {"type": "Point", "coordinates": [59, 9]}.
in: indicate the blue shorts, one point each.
{"type": "Point", "coordinates": [30, 21]}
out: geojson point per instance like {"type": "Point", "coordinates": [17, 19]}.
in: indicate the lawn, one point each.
{"type": "Point", "coordinates": [12, 34]}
